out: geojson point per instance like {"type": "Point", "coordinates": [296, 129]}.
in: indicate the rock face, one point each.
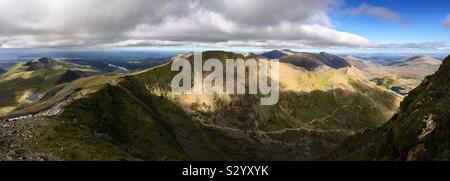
{"type": "Point", "coordinates": [420, 130]}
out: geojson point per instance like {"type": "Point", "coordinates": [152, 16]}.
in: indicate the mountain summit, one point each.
{"type": "Point", "coordinates": [274, 54]}
{"type": "Point", "coordinates": [314, 61]}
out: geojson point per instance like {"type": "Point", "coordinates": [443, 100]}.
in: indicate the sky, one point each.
{"type": "Point", "coordinates": [355, 25]}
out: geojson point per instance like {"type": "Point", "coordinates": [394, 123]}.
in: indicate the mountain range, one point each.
{"type": "Point", "coordinates": [81, 113]}
{"type": "Point", "coordinates": [417, 67]}
{"type": "Point", "coordinates": [400, 76]}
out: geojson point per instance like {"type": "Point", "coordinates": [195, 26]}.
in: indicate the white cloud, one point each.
{"type": "Point", "coordinates": [446, 22]}
{"type": "Point", "coordinates": [299, 23]}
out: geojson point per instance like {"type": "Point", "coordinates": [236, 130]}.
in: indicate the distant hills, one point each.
{"type": "Point", "coordinates": [416, 61]}
{"type": "Point", "coordinates": [405, 74]}
{"type": "Point", "coordinates": [417, 67]}
{"type": "Point", "coordinates": [399, 76]}
{"type": "Point", "coordinates": [44, 63]}
{"type": "Point", "coordinates": [120, 66]}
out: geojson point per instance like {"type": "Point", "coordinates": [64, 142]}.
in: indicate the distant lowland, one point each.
{"type": "Point", "coordinates": [117, 106]}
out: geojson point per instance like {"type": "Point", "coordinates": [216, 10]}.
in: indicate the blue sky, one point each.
{"type": "Point", "coordinates": [425, 21]}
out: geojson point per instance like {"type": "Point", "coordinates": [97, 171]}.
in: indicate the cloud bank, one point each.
{"type": "Point", "coordinates": [49, 23]}
{"type": "Point", "coordinates": [421, 46]}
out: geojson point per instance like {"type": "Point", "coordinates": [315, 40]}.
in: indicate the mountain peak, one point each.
{"type": "Point", "coordinates": [314, 61]}
{"type": "Point", "coordinates": [39, 63]}
{"type": "Point", "coordinates": [41, 60]}
{"type": "Point", "coordinates": [274, 54]}
{"type": "Point", "coordinates": [349, 57]}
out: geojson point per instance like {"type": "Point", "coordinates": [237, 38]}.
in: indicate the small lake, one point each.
{"type": "Point", "coordinates": [399, 90]}
{"type": "Point", "coordinates": [34, 96]}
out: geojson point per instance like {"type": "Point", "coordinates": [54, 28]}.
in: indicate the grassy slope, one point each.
{"type": "Point", "coordinates": [12, 89]}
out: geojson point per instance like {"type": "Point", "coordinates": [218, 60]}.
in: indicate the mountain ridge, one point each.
{"type": "Point", "coordinates": [316, 62]}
